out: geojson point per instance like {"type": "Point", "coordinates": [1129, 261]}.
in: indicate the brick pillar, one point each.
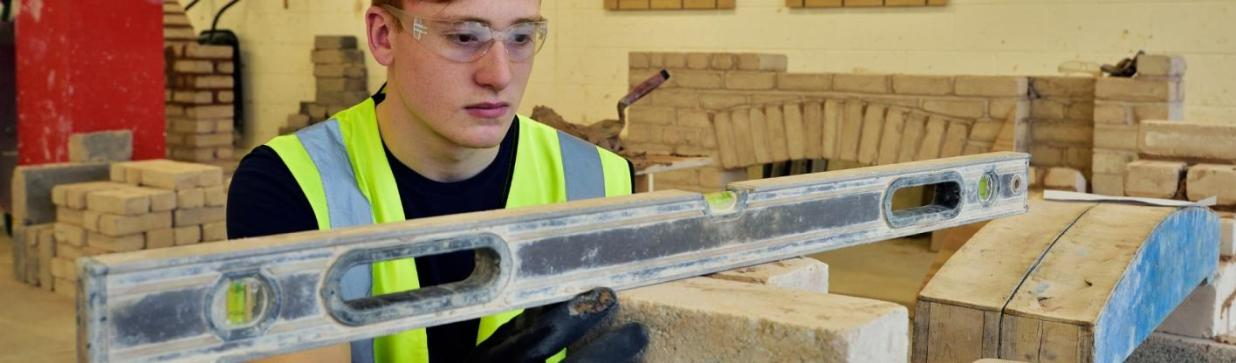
{"type": "Point", "coordinates": [1121, 104]}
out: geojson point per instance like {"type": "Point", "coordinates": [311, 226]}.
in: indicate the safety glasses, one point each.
{"type": "Point", "coordinates": [466, 41]}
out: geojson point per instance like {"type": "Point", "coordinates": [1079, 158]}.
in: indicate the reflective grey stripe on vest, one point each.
{"type": "Point", "coordinates": [346, 205]}
{"type": "Point", "coordinates": [581, 167]}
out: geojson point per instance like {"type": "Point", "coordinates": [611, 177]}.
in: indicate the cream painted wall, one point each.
{"type": "Point", "coordinates": [582, 71]}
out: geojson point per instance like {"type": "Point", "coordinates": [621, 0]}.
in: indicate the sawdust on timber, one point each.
{"type": "Point", "coordinates": [603, 134]}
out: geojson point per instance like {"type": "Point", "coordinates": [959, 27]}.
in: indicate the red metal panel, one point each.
{"type": "Point", "coordinates": [89, 65]}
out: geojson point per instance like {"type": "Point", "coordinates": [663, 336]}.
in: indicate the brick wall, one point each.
{"type": "Point", "coordinates": [1121, 104]}
{"type": "Point", "coordinates": [200, 95]}
{"type": "Point", "coordinates": [1062, 122]}
{"type": "Point", "coordinates": [752, 94]}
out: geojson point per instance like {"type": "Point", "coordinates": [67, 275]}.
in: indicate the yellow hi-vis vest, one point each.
{"type": "Point", "coordinates": [341, 166]}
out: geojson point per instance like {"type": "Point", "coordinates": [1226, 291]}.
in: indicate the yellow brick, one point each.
{"type": "Point", "coordinates": [160, 238]}
{"type": "Point", "coordinates": [190, 198]}
{"type": "Point", "coordinates": [216, 231]}
{"type": "Point", "coordinates": [124, 201]}
{"type": "Point", "coordinates": [198, 216]}
{"type": "Point", "coordinates": [125, 243]}
{"type": "Point", "coordinates": [188, 235]}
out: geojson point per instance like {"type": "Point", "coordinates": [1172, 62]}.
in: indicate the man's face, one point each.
{"type": "Point", "coordinates": [469, 104]}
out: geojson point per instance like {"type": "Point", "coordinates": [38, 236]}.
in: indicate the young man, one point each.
{"type": "Point", "coordinates": [441, 138]}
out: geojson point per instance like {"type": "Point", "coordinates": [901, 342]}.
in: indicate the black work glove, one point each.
{"type": "Point", "coordinates": [541, 332]}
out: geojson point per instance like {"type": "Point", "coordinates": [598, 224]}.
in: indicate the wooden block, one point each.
{"type": "Point", "coordinates": [743, 139]}
{"type": "Point", "coordinates": [955, 137]}
{"type": "Point", "coordinates": [851, 130]}
{"type": "Point", "coordinates": [777, 139]}
{"type": "Point", "coordinates": [188, 235]}
{"type": "Point", "coordinates": [198, 216]}
{"type": "Point", "coordinates": [215, 231]}
{"type": "Point", "coordinates": [727, 151]}
{"type": "Point", "coordinates": [813, 125]}
{"type": "Point", "coordinates": [124, 201]}
{"type": "Point", "coordinates": [890, 140]}
{"type": "Point", "coordinates": [116, 244]}
{"type": "Point", "coordinates": [160, 238]}
{"type": "Point", "coordinates": [933, 139]}
{"type": "Point", "coordinates": [869, 137]}
{"type": "Point", "coordinates": [795, 133]}
{"type": "Point", "coordinates": [190, 198]}
{"type": "Point", "coordinates": [912, 137]}
{"type": "Point", "coordinates": [759, 136]}
{"type": "Point", "coordinates": [833, 110]}
{"type": "Point", "coordinates": [807, 274]}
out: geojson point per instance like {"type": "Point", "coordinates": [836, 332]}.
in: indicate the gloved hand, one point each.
{"type": "Point", "coordinates": [541, 332]}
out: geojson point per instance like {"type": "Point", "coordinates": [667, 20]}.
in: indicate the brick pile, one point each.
{"type": "Point", "coordinates": [200, 95]}
{"type": "Point", "coordinates": [1121, 105]}
{"type": "Point", "coordinates": [339, 69]}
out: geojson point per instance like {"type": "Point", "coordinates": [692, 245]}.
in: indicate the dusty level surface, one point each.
{"type": "Point", "coordinates": [35, 325]}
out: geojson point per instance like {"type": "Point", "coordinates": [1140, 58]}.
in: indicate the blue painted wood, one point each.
{"type": "Point", "coordinates": [1181, 252]}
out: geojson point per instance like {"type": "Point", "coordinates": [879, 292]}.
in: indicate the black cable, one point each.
{"type": "Point", "coordinates": [190, 6]}
{"type": "Point", "coordinates": [8, 7]}
{"type": "Point", "coordinates": [215, 24]}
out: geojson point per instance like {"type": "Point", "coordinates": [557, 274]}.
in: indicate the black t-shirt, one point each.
{"type": "Point", "coordinates": [264, 199]}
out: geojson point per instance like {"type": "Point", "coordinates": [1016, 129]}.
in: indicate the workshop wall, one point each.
{"type": "Point", "coordinates": [582, 71]}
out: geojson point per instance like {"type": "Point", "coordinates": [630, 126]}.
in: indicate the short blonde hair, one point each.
{"type": "Point", "coordinates": [395, 3]}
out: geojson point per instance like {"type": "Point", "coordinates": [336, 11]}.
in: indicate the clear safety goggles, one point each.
{"type": "Point", "coordinates": [466, 41]}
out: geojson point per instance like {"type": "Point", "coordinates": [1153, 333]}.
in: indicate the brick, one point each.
{"type": "Point", "coordinates": [637, 60]}
{"type": "Point", "coordinates": [813, 127]}
{"type": "Point", "coordinates": [1107, 184]}
{"type": "Point", "coordinates": [1115, 137]}
{"type": "Point", "coordinates": [115, 244]}
{"type": "Point", "coordinates": [1134, 89]}
{"type": "Point", "coordinates": [832, 112]}
{"type": "Point", "coordinates": [339, 98]}
{"type": "Point", "coordinates": [193, 66]}
{"type": "Point", "coordinates": [912, 137]}
{"type": "Point", "coordinates": [194, 50]}
{"type": "Point", "coordinates": [905, 2]}
{"type": "Point", "coordinates": [1188, 140]}
{"type": "Point", "coordinates": [1062, 133]}
{"type": "Point", "coordinates": [724, 61]}
{"type": "Point", "coordinates": [823, 3]}
{"type": "Point", "coordinates": [209, 112]}
{"type": "Point", "coordinates": [795, 132]}
{"type": "Point", "coordinates": [699, 79]}
{"type": "Point", "coordinates": [872, 131]}
{"type": "Point", "coordinates": [1203, 314]}
{"type": "Point", "coordinates": [805, 81]}
{"type": "Point", "coordinates": [190, 198]}
{"type": "Point", "coordinates": [750, 80]}
{"type": "Point", "coordinates": [1047, 109]}
{"type": "Point", "coordinates": [216, 231]}
{"type": "Point", "coordinates": [862, 83]}
{"type": "Point", "coordinates": [70, 252]}
{"type": "Point", "coordinates": [652, 115]}
{"type": "Point", "coordinates": [890, 138]}
{"type": "Point", "coordinates": [329, 70]}
{"type": "Point", "coordinates": [297, 120]}
{"type": "Point", "coordinates": [211, 82]}
{"type": "Point", "coordinates": [1079, 157]}
{"type": "Point", "coordinates": [334, 42]}
{"type": "Point", "coordinates": [674, 60]}
{"type": "Point", "coordinates": [76, 195]}
{"type": "Point", "coordinates": [1063, 86]}
{"type": "Point", "coordinates": [31, 189]}
{"type": "Point", "coordinates": [922, 85]}
{"type": "Point", "coordinates": [225, 67]}
{"type": "Point", "coordinates": [64, 268]}
{"type": "Point", "coordinates": [1227, 237]}
{"type": "Point", "coordinates": [1157, 65]}
{"type": "Point", "coordinates": [172, 175]}
{"type": "Point", "coordinates": [215, 139]}
{"type": "Point", "coordinates": [194, 97]}
{"type": "Point", "coordinates": [699, 4]}
{"type": "Point", "coordinates": [124, 201]}
{"type": "Point", "coordinates": [1153, 179]}
{"type": "Point", "coordinates": [1158, 111]}
{"type": "Point", "coordinates": [117, 225]}
{"type": "Point", "coordinates": [1046, 155]}
{"type": "Point", "coordinates": [802, 273]}
{"type": "Point", "coordinates": [691, 318]}
{"type": "Point", "coordinates": [188, 235]}
{"type": "Point", "coordinates": [70, 216]}
{"type": "Point", "coordinates": [851, 131]}
{"type": "Point", "coordinates": [185, 126]}
{"type": "Point", "coordinates": [863, 3]}
{"type": "Point", "coordinates": [759, 136]}
{"type": "Point", "coordinates": [762, 62]}
{"type": "Point", "coordinates": [933, 139]}
{"type": "Point", "coordinates": [225, 96]}
{"type": "Point", "coordinates": [1212, 180]}
{"type": "Point", "coordinates": [987, 131]}
{"type": "Point", "coordinates": [1112, 114]}
{"type": "Point", "coordinates": [355, 71]}
{"type": "Point", "coordinates": [991, 86]}
{"type": "Point", "coordinates": [195, 154]}
{"type": "Point", "coordinates": [958, 108]}
{"type": "Point", "coordinates": [160, 238]}
{"type": "Point", "coordinates": [198, 216]}
{"type": "Point", "coordinates": [955, 138]}
{"type": "Point", "coordinates": [1068, 179]}
{"type": "Point", "coordinates": [337, 56]}
{"type": "Point", "coordinates": [1108, 161]}
{"type": "Point", "coordinates": [70, 234]}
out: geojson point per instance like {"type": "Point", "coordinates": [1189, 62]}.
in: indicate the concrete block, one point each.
{"type": "Point", "coordinates": [957, 108]}
{"type": "Point", "coordinates": [1153, 179]}
{"type": "Point", "coordinates": [801, 273]}
{"type": "Point", "coordinates": [1068, 179]}
{"type": "Point", "coordinates": [215, 231]}
{"type": "Point", "coordinates": [1160, 65]}
{"type": "Point", "coordinates": [1209, 180]}
{"type": "Point", "coordinates": [1203, 314]}
{"type": "Point", "coordinates": [705, 319]}
{"type": "Point", "coordinates": [991, 86]}
{"type": "Point", "coordinates": [188, 235]}
{"type": "Point", "coordinates": [101, 146]}
{"type": "Point", "coordinates": [32, 188]}
{"type": "Point", "coordinates": [117, 244]}
{"type": "Point", "coordinates": [1137, 89]}
{"type": "Point", "coordinates": [861, 83]}
{"type": "Point", "coordinates": [123, 201]}
{"type": "Point", "coordinates": [198, 216]}
{"type": "Point", "coordinates": [922, 85]}
{"type": "Point", "coordinates": [160, 238]}
{"type": "Point", "coordinates": [190, 198]}
{"type": "Point", "coordinates": [1188, 140]}
{"type": "Point", "coordinates": [334, 42]}
{"type": "Point", "coordinates": [1162, 347]}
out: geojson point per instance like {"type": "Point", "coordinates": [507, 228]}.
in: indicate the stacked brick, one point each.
{"type": "Point", "coordinates": [339, 69]}
{"type": "Point", "coordinates": [1121, 104]}
{"type": "Point", "coordinates": [176, 27]}
{"type": "Point", "coordinates": [851, 117]}
{"type": "Point", "coordinates": [201, 106]}
{"type": "Point", "coordinates": [1061, 122]}
{"type": "Point", "coordinates": [668, 4]}
{"type": "Point", "coordinates": [861, 3]}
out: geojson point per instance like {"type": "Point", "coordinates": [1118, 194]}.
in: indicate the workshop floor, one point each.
{"type": "Point", "coordinates": [38, 326]}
